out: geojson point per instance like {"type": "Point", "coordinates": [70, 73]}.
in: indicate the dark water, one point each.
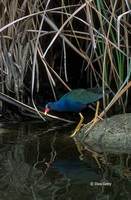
{"type": "Point", "coordinates": [39, 161]}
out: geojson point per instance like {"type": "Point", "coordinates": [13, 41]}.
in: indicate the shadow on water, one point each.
{"type": "Point", "coordinates": [39, 161]}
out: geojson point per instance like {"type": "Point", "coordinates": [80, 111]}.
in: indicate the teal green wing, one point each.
{"type": "Point", "coordinates": [85, 96]}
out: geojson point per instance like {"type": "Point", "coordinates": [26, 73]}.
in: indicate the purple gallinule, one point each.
{"type": "Point", "coordinates": [75, 101]}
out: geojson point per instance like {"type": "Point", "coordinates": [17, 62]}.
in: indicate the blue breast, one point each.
{"type": "Point", "coordinates": [67, 106]}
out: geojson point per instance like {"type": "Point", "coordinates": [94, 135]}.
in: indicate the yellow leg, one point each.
{"type": "Point", "coordinates": [82, 119]}
{"type": "Point", "coordinates": [96, 113]}
{"type": "Point", "coordinates": [95, 119]}
{"type": "Point", "coordinates": [78, 125]}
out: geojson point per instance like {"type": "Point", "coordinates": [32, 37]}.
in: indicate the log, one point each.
{"type": "Point", "coordinates": [112, 135]}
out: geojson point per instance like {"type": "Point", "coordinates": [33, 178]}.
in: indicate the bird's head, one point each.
{"type": "Point", "coordinates": [48, 107]}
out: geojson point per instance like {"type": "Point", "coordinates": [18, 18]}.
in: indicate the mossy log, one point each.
{"type": "Point", "coordinates": [111, 135]}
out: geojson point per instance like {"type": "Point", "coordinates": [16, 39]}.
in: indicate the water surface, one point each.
{"type": "Point", "coordinates": [39, 161]}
